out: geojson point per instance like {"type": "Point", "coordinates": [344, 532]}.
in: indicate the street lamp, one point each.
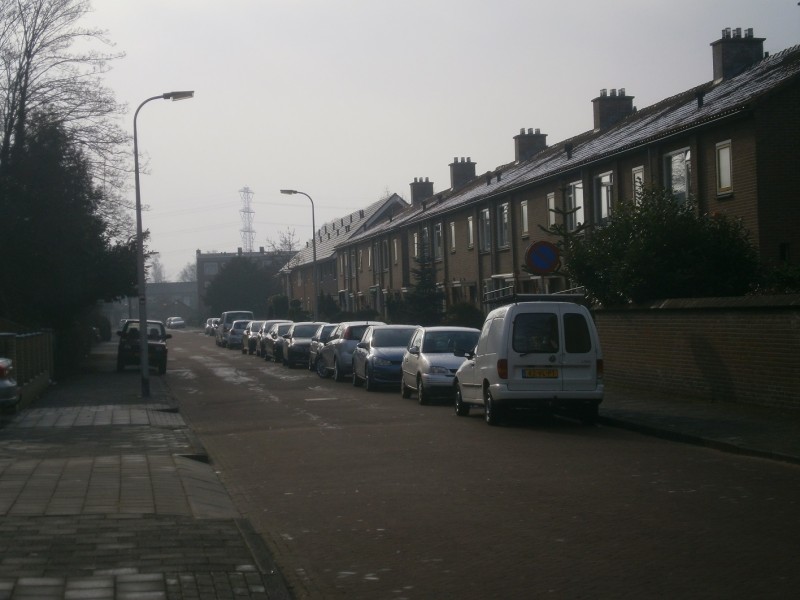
{"type": "Point", "coordinates": [313, 250]}
{"type": "Point", "coordinates": [145, 367]}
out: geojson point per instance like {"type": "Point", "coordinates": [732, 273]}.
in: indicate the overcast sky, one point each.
{"type": "Point", "coordinates": [347, 100]}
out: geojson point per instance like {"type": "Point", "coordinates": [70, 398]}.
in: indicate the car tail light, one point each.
{"type": "Point", "coordinates": [502, 368]}
{"type": "Point", "coordinates": [599, 368]}
{"type": "Point", "coordinates": [5, 370]}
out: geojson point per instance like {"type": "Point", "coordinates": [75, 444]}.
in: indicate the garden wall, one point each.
{"type": "Point", "coordinates": [744, 349]}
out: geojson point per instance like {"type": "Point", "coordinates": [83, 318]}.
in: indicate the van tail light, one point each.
{"type": "Point", "coordinates": [599, 368]}
{"type": "Point", "coordinates": [502, 368]}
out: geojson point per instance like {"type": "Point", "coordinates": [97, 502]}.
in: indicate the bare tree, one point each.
{"type": "Point", "coordinates": [43, 73]}
{"type": "Point", "coordinates": [287, 241]}
{"type": "Point", "coordinates": [156, 271]}
{"type": "Point", "coordinates": [188, 273]}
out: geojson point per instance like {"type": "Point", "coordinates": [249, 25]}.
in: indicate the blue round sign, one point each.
{"type": "Point", "coordinates": [542, 258]}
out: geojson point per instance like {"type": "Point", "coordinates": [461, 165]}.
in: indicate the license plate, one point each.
{"type": "Point", "coordinates": [531, 372]}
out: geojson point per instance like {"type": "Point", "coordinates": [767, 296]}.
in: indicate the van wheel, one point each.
{"type": "Point", "coordinates": [422, 395]}
{"type": "Point", "coordinates": [405, 391]}
{"type": "Point", "coordinates": [462, 409]}
{"type": "Point", "coordinates": [491, 411]}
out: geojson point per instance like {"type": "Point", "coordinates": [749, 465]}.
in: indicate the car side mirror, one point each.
{"type": "Point", "coordinates": [364, 345]}
{"type": "Point", "coordinates": [413, 350]}
{"type": "Point", "coordinates": [463, 353]}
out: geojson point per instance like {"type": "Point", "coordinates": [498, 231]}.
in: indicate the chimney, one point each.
{"type": "Point", "coordinates": [734, 53]}
{"type": "Point", "coordinates": [610, 109]}
{"type": "Point", "coordinates": [528, 144]}
{"type": "Point", "coordinates": [420, 190]}
{"type": "Point", "coordinates": [461, 172]}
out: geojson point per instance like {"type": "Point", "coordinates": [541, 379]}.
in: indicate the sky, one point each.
{"type": "Point", "coordinates": [350, 100]}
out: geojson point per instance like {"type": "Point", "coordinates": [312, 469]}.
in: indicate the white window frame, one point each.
{"type": "Point", "coordinates": [484, 230]}
{"type": "Point", "coordinates": [416, 245]}
{"type": "Point", "coordinates": [551, 209]}
{"type": "Point", "coordinates": [438, 241]}
{"type": "Point", "coordinates": [503, 223]}
{"type": "Point", "coordinates": [604, 195]}
{"type": "Point", "coordinates": [724, 155]}
{"type": "Point", "coordinates": [394, 249]}
{"type": "Point", "coordinates": [637, 182]}
{"type": "Point", "coordinates": [575, 200]}
{"type": "Point", "coordinates": [470, 233]}
{"type": "Point", "coordinates": [680, 182]}
{"type": "Point", "coordinates": [523, 217]}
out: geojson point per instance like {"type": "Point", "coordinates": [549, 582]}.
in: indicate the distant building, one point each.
{"type": "Point", "coordinates": [173, 299]}
{"type": "Point", "coordinates": [211, 263]}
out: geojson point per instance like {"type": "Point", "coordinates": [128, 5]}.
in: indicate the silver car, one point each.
{"type": "Point", "coordinates": [429, 365]}
{"type": "Point", "coordinates": [337, 354]}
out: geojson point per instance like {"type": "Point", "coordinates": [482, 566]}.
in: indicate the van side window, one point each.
{"type": "Point", "coordinates": [576, 334]}
{"type": "Point", "coordinates": [495, 336]}
{"type": "Point", "coordinates": [482, 341]}
{"type": "Point", "coordinates": [535, 332]}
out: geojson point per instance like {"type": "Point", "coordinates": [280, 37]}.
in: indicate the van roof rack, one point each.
{"type": "Point", "coordinates": [495, 299]}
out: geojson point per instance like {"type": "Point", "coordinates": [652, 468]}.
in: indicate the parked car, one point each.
{"type": "Point", "coordinates": [226, 322]}
{"type": "Point", "coordinates": [175, 323]}
{"type": "Point", "coordinates": [378, 357]}
{"type": "Point", "coordinates": [250, 337]}
{"type": "Point", "coordinates": [271, 349]}
{"type": "Point", "coordinates": [297, 342]}
{"type": "Point", "coordinates": [337, 354]}
{"type": "Point", "coordinates": [128, 350]}
{"type": "Point", "coordinates": [9, 393]}
{"type": "Point", "coordinates": [536, 355]}
{"type": "Point", "coordinates": [262, 335]}
{"type": "Point", "coordinates": [211, 326]}
{"type": "Point", "coordinates": [236, 333]}
{"type": "Point", "coordinates": [429, 363]}
{"type": "Point", "coordinates": [318, 340]}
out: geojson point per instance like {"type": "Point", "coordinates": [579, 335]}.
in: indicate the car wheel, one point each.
{"type": "Point", "coordinates": [491, 411]}
{"type": "Point", "coordinates": [337, 372]}
{"type": "Point", "coordinates": [422, 395]}
{"type": "Point", "coordinates": [462, 408]}
{"type": "Point", "coordinates": [369, 382]}
{"type": "Point", "coordinates": [357, 381]}
{"type": "Point", "coordinates": [405, 391]}
{"type": "Point", "coordinates": [320, 368]}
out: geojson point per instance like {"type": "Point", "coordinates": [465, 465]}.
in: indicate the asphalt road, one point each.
{"type": "Point", "coordinates": [366, 495]}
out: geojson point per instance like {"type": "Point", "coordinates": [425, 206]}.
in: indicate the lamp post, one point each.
{"type": "Point", "coordinates": [144, 364]}
{"type": "Point", "coordinates": [313, 251]}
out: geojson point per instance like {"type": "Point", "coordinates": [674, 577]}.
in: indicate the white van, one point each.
{"type": "Point", "coordinates": [544, 356]}
{"type": "Point", "coordinates": [226, 322]}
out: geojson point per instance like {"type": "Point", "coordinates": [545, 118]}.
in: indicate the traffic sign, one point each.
{"type": "Point", "coordinates": [542, 258]}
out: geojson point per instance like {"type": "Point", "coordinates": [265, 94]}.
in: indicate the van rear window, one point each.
{"type": "Point", "coordinates": [535, 332]}
{"type": "Point", "coordinates": [576, 334]}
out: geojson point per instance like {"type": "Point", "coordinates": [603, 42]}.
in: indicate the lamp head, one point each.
{"type": "Point", "coordinates": [175, 96]}
{"type": "Point", "coordinates": [288, 192]}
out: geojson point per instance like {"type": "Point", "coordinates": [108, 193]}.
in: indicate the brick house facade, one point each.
{"type": "Point", "coordinates": [730, 143]}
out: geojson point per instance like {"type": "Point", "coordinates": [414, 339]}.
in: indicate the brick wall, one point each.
{"type": "Point", "coordinates": [724, 350]}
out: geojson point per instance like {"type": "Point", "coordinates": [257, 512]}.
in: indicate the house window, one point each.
{"type": "Point", "coordinates": [416, 245]}
{"type": "Point", "coordinates": [603, 188]}
{"type": "Point", "coordinates": [385, 255]}
{"type": "Point", "coordinates": [574, 208]}
{"type": "Point", "coordinates": [677, 173]}
{"type": "Point", "coordinates": [637, 182]}
{"type": "Point", "coordinates": [360, 260]}
{"type": "Point", "coordinates": [369, 257]}
{"type": "Point", "coordinates": [470, 235]}
{"type": "Point", "coordinates": [502, 225]}
{"type": "Point", "coordinates": [724, 182]}
{"type": "Point", "coordinates": [394, 249]}
{"type": "Point", "coordinates": [352, 263]}
{"type": "Point", "coordinates": [210, 268]}
{"type": "Point", "coordinates": [438, 242]}
{"type": "Point", "coordinates": [551, 209]}
{"type": "Point", "coordinates": [484, 230]}
{"type": "Point", "coordinates": [452, 236]}
{"type": "Point", "coordinates": [426, 243]}
{"type": "Point", "coordinates": [523, 217]}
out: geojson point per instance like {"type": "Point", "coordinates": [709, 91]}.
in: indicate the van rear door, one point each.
{"type": "Point", "coordinates": [579, 350]}
{"type": "Point", "coordinates": [534, 358]}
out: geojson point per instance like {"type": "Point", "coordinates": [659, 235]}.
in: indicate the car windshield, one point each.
{"type": "Point", "coordinates": [447, 341]}
{"type": "Point", "coordinates": [283, 328]}
{"type": "Point", "coordinates": [305, 330]}
{"type": "Point", "coordinates": [355, 332]}
{"type": "Point", "coordinates": [391, 338]}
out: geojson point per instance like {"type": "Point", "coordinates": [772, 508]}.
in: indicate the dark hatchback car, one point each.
{"type": "Point", "coordinates": [128, 349]}
{"type": "Point", "coordinates": [378, 357]}
{"type": "Point", "coordinates": [295, 348]}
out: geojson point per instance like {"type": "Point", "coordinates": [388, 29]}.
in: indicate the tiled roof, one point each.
{"type": "Point", "coordinates": [670, 116]}
{"type": "Point", "coordinates": [341, 229]}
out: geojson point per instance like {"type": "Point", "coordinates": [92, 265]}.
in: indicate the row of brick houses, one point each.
{"type": "Point", "coordinates": [731, 143]}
